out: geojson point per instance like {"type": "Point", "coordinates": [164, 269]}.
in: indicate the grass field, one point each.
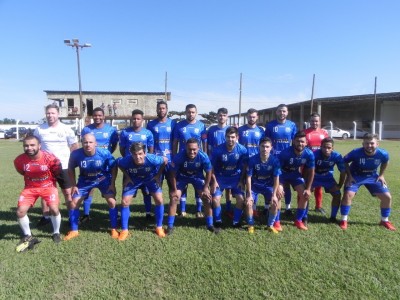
{"type": "Point", "coordinates": [322, 263]}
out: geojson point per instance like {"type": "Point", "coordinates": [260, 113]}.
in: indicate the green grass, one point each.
{"type": "Point", "coordinates": [322, 263]}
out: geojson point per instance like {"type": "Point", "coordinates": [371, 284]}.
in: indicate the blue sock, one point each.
{"type": "Point", "coordinates": [147, 203]}
{"type": "Point", "coordinates": [209, 221]}
{"type": "Point", "coordinates": [183, 204]}
{"type": "Point", "coordinates": [385, 212]}
{"type": "Point", "coordinates": [86, 205]}
{"type": "Point", "coordinates": [159, 212]}
{"type": "Point", "coordinates": [278, 216]}
{"type": "Point", "coordinates": [288, 195]}
{"type": "Point", "coordinates": [199, 204]}
{"type": "Point", "coordinates": [74, 218]}
{"type": "Point", "coordinates": [237, 214]}
{"type": "Point", "coordinates": [271, 219]}
{"type": "Point", "coordinates": [300, 212]}
{"type": "Point", "coordinates": [250, 220]}
{"type": "Point", "coordinates": [345, 210]}
{"type": "Point", "coordinates": [334, 211]}
{"type": "Point", "coordinates": [171, 221]}
{"type": "Point", "coordinates": [306, 212]}
{"type": "Point", "coordinates": [228, 205]}
{"type": "Point", "coordinates": [125, 213]}
{"type": "Point", "coordinates": [217, 214]}
{"type": "Point", "coordinates": [113, 213]}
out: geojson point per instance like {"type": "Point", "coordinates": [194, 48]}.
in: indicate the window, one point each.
{"type": "Point", "coordinates": [133, 101]}
{"type": "Point", "coordinates": [117, 101]}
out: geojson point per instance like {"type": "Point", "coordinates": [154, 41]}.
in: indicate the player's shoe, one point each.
{"type": "Point", "coordinates": [183, 214]}
{"type": "Point", "coordinates": [84, 219]}
{"type": "Point", "coordinates": [387, 225]}
{"type": "Point", "coordinates": [320, 210]}
{"type": "Point", "coordinates": [160, 232]}
{"type": "Point", "coordinates": [288, 213]}
{"type": "Point", "coordinates": [343, 224]}
{"type": "Point", "coordinates": [250, 229]}
{"type": "Point", "coordinates": [56, 237]}
{"type": "Point", "coordinates": [43, 221]}
{"type": "Point", "coordinates": [123, 235]}
{"type": "Point", "coordinates": [170, 230]}
{"type": "Point", "coordinates": [114, 233]}
{"type": "Point", "coordinates": [305, 221]}
{"type": "Point", "coordinates": [199, 215]}
{"type": "Point", "coordinates": [300, 225]}
{"type": "Point", "coordinates": [28, 242]}
{"type": "Point", "coordinates": [237, 225]}
{"type": "Point", "coordinates": [71, 235]}
{"type": "Point", "coordinates": [277, 226]}
{"type": "Point", "coordinates": [272, 229]}
{"type": "Point", "coordinates": [332, 220]}
{"type": "Point", "coordinates": [149, 216]}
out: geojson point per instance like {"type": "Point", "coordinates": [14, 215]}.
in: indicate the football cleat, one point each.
{"type": "Point", "coordinates": [160, 232]}
{"type": "Point", "coordinates": [71, 235]}
{"type": "Point", "coordinates": [320, 210]}
{"type": "Point", "coordinates": [56, 238]}
{"type": "Point", "coordinates": [170, 230]}
{"type": "Point", "coordinates": [114, 233]}
{"type": "Point", "coordinates": [199, 215]}
{"type": "Point", "coordinates": [183, 214]}
{"type": "Point", "coordinates": [387, 225]}
{"type": "Point", "coordinates": [28, 242]}
{"type": "Point", "coordinates": [343, 225]}
{"type": "Point", "coordinates": [123, 235]}
{"type": "Point", "coordinates": [277, 226]}
{"type": "Point", "coordinates": [300, 225]}
{"type": "Point", "coordinates": [272, 229]}
{"type": "Point", "coordinates": [250, 229]}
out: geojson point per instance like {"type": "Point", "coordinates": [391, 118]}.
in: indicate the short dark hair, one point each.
{"type": "Point", "coordinates": [98, 109]}
{"type": "Point", "coordinates": [192, 140]}
{"type": "Point", "coordinates": [315, 115]}
{"type": "Point", "coordinates": [327, 140]}
{"type": "Point", "coordinates": [370, 136]}
{"type": "Point", "coordinates": [281, 105]}
{"type": "Point", "coordinates": [162, 102]}
{"type": "Point", "coordinates": [189, 106]}
{"type": "Point", "coordinates": [300, 134]}
{"type": "Point", "coordinates": [230, 130]}
{"type": "Point", "coordinates": [137, 112]}
{"type": "Point", "coordinates": [31, 137]}
{"type": "Point", "coordinates": [265, 139]}
{"type": "Point", "coordinates": [252, 111]}
{"type": "Point", "coordinates": [222, 110]}
{"type": "Point", "coordinates": [52, 106]}
{"type": "Point", "coordinates": [136, 147]}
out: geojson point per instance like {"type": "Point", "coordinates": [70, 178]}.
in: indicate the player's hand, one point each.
{"type": "Point", "coordinates": [206, 195]}
{"type": "Point", "coordinates": [307, 194]}
{"type": "Point", "coordinates": [274, 201]}
{"type": "Point", "coordinates": [280, 192]}
{"type": "Point", "coordinates": [74, 190]}
{"type": "Point", "coordinates": [382, 180]}
{"type": "Point", "coordinates": [349, 181]}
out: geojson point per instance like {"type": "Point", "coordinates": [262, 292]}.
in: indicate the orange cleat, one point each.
{"type": "Point", "coordinates": [114, 234]}
{"type": "Point", "coordinates": [123, 235]}
{"type": "Point", "coordinates": [343, 225]}
{"type": "Point", "coordinates": [277, 226]}
{"type": "Point", "coordinates": [71, 235]}
{"type": "Point", "coordinates": [387, 225]}
{"type": "Point", "coordinates": [160, 232]}
{"type": "Point", "coordinates": [300, 225]}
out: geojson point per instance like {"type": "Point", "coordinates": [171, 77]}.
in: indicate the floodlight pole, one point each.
{"type": "Point", "coordinates": [75, 44]}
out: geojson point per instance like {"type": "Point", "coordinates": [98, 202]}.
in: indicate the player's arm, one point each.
{"type": "Point", "coordinates": [72, 176]}
{"type": "Point", "coordinates": [206, 195]}
{"type": "Point", "coordinates": [175, 146]}
{"type": "Point", "coordinates": [382, 169]}
{"type": "Point", "coordinates": [114, 141]}
{"type": "Point", "coordinates": [349, 178]}
{"type": "Point", "coordinates": [274, 196]}
{"type": "Point", "coordinates": [248, 188]}
{"type": "Point", "coordinates": [157, 177]}
{"type": "Point", "coordinates": [309, 177]}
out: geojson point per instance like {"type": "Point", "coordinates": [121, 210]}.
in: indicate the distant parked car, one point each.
{"type": "Point", "coordinates": [359, 133]}
{"type": "Point", "coordinates": [2, 131]}
{"type": "Point", "coordinates": [12, 132]}
{"type": "Point", "coordinates": [337, 132]}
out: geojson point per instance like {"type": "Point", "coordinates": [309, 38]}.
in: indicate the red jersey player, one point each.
{"type": "Point", "coordinates": [314, 136]}
{"type": "Point", "coordinates": [40, 170]}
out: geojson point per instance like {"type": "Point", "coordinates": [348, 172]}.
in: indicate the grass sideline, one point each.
{"type": "Point", "coordinates": [324, 262]}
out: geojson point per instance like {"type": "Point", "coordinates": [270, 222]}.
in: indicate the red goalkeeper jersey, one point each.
{"type": "Point", "coordinates": [315, 137]}
{"type": "Point", "coordinates": [38, 173]}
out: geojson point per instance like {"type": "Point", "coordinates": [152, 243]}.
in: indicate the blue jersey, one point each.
{"type": "Point", "coordinates": [228, 163]}
{"type": "Point", "coordinates": [129, 136]}
{"type": "Point", "coordinates": [184, 131]}
{"type": "Point", "coordinates": [293, 163]}
{"type": "Point", "coordinates": [362, 164]}
{"type": "Point", "coordinates": [324, 166]}
{"type": "Point", "coordinates": [186, 168]}
{"type": "Point", "coordinates": [92, 168]}
{"type": "Point", "coordinates": [141, 173]}
{"type": "Point", "coordinates": [281, 134]}
{"type": "Point", "coordinates": [250, 138]}
{"type": "Point", "coordinates": [162, 133]}
{"type": "Point", "coordinates": [263, 173]}
{"type": "Point", "coordinates": [215, 136]}
{"type": "Point", "coordinates": [106, 137]}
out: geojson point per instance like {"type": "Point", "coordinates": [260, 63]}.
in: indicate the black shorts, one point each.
{"type": "Point", "coordinates": [63, 180]}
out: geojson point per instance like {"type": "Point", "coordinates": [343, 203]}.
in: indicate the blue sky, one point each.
{"type": "Point", "coordinates": [203, 45]}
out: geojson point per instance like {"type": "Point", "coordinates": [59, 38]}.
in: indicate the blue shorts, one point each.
{"type": "Point", "coordinates": [84, 187]}
{"type": "Point", "coordinates": [149, 186]}
{"type": "Point", "coordinates": [266, 191]}
{"type": "Point", "coordinates": [370, 183]}
{"type": "Point", "coordinates": [228, 183]}
{"type": "Point", "coordinates": [327, 182]}
{"type": "Point", "coordinates": [294, 179]}
{"type": "Point", "coordinates": [182, 183]}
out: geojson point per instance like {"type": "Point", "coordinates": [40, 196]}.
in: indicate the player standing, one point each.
{"type": "Point", "coordinates": [190, 128]}
{"type": "Point", "coordinates": [362, 169]}
{"type": "Point", "coordinates": [40, 170]}
{"type": "Point", "coordinates": [97, 169]}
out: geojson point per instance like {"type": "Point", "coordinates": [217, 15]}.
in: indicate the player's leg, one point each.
{"type": "Point", "coordinates": [208, 210]}
{"type": "Point", "coordinates": [345, 206]}
{"type": "Point", "coordinates": [159, 212]}
{"type": "Point", "coordinates": [74, 215]}
{"type": "Point", "coordinates": [50, 196]}
{"type": "Point", "coordinates": [318, 200]}
{"type": "Point", "coordinates": [301, 210]}
{"type": "Point", "coordinates": [280, 195]}
{"type": "Point", "coordinates": [174, 197]}
{"type": "Point", "coordinates": [288, 199]}
{"type": "Point", "coordinates": [228, 206]}
{"type": "Point", "coordinates": [182, 203]}
{"type": "Point", "coordinates": [248, 208]}
{"type": "Point", "coordinates": [238, 211]}
{"type": "Point", "coordinates": [125, 212]}
{"type": "Point", "coordinates": [23, 219]}
{"type": "Point", "coordinates": [146, 202]}
{"type": "Point", "coordinates": [87, 202]}
{"type": "Point", "coordinates": [336, 197]}
{"type": "Point", "coordinates": [217, 213]}
{"type": "Point", "coordinates": [113, 214]}
{"type": "Point", "coordinates": [199, 205]}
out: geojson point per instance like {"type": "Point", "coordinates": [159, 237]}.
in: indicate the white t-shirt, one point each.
{"type": "Point", "coordinates": [56, 140]}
